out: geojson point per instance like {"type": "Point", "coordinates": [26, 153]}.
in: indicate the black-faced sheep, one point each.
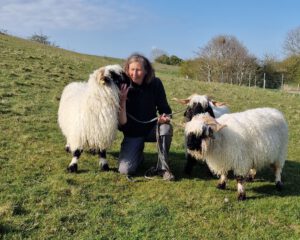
{"type": "Point", "coordinates": [88, 113]}
{"type": "Point", "coordinates": [239, 142]}
{"type": "Point", "coordinates": [196, 104]}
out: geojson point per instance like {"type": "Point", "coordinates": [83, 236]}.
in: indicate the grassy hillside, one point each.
{"type": "Point", "coordinates": [40, 200]}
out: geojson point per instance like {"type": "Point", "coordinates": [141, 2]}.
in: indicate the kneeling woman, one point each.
{"type": "Point", "coordinates": [140, 102]}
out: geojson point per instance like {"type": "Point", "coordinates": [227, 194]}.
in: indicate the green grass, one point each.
{"type": "Point", "coordinates": [40, 200]}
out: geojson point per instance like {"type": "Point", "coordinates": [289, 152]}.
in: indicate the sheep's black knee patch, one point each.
{"type": "Point", "coordinates": [77, 153]}
{"type": "Point", "coordinates": [102, 154]}
{"type": "Point", "coordinates": [104, 167]}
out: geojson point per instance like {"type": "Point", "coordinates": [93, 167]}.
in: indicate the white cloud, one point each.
{"type": "Point", "coordinates": [33, 15]}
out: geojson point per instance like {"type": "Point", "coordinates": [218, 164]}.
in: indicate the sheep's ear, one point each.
{"type": "Point", "coordinates": [212, 122]}
{"type": "Point", "coordinates": [182, 101]}
{"type": "Point", "coordinates": [100, 76]}
{"type": "Point", "coordinates": [216, 127]}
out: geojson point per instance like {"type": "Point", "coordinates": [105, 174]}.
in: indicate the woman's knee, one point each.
{"type": "Point", "coordinates": [165, 129]}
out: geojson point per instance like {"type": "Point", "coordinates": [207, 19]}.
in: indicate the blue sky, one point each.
{"type": "Point", "coordinates": [117, 28]}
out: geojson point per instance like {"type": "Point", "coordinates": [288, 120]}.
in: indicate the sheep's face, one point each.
{"type": "Point", "coordinates": [197, 108]}
{"type": "Point", "coordinates": [198, 133]}
{"type": "Point", "coordinates": [119, 78]}
{"type": "Point", "coordinates": [112, 74]}
{"type": "Point", "coordinates": [197, 137]}
{"type": "Point", "coordinates": [196, 104]}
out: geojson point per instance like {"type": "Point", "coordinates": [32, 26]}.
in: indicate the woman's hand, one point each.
{"type": "Point", "coordinates": [123, 97]}
{"type": "Point", "coordinates": [123, 93]}
{"type": "Point", "coordinates": [164, 118]}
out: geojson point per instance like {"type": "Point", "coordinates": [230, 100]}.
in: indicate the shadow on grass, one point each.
{"type": "Point", "coordinates": [290, 174]}
{"type": "Point", "coordinates": [177, 163]}
{"type": "Point", "coordinates": [290, 179]}
{"type": "Point", "coordinates": [6, 229]}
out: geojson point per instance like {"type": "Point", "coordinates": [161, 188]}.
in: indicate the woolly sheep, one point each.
{"type": "Point", "coordinates": [88, 113]}
{"type": "Point", "coordinates": [199, 104]}
{"type": "Point", "coordinates": [239, 142]}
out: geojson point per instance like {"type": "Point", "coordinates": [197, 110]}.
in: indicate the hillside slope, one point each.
{"type": "Point", "coordinates": [40, 200]}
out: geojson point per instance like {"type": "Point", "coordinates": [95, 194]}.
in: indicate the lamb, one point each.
{"type": "Point", "coordinates": [88, 113]}
{"type": "Point", "coordinates": [239, 142]}
{"type": "Point", "coordinates": [200, 104]}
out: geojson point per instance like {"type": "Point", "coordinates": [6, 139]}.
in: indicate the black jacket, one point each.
{"type": "Point", "coordinates": [143, 103]}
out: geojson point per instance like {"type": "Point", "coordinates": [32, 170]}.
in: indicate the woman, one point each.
{"type": "Point", "coordinates": [140, 102]}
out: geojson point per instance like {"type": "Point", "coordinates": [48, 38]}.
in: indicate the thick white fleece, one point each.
{"type": "Point", "coordinates": [251, 139]}
{"type": "Point", "coordinates": [88, 112]}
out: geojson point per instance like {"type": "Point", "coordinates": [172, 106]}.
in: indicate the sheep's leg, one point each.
{"type": "Point", "coordinates": [251, 175]}
{"type": "Point", "coordinates": [222, 182]}
{"type": "Point", "coordinates": [191, 162]}
{"type": "Point", "coordinates": [240, 188]}
{"type": "Point", "coordinates": [102, 161]}
{"type": "Point", "coordinates": [278, 182]}
{"type": "Point", "coordinates": [73, 167]}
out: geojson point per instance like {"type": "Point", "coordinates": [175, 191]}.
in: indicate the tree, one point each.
{"type": "Point", "coordinates": [291, 68]}
{"type": "Point", "coordinates": [156, 53]}
{"type": "Point", "coordinates": [190, 69]}
{"type": "Point", "coordinates": [174, 60]}
{"type": "Point", "coordinates": [270, 70]}
{"type": "Point", "coordinates": [291, 44]}
{"type": "Point", "coordinates": [165, 59]}
{"type": "Point", "coordinates": [40, 38]}
{"type": "Point", "coordinates": [225, 59]}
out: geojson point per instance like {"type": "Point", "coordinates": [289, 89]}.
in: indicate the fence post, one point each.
{"type": "Point", "coordinates": [249, 79]}
{"type": "Point", "coordinates": [264, 80]}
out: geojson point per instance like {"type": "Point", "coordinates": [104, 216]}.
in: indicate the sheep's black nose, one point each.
{"type": "Point", "coordinates": [193, 142]}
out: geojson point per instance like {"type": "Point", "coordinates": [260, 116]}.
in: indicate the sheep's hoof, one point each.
{"type": "Point", "coordinates": [73, 168]}
{"type": "Point", "coordinates": [242, 197]}
{"type": "Point", "coordinates": [221, 185]}
{"type": "Point", "coordinates": [104, 167]}
{"type": "Point", "coordinates": [279, 186]}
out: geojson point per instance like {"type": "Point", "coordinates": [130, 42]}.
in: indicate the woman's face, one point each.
{"type": "Point", "coordinates": [136, 72]}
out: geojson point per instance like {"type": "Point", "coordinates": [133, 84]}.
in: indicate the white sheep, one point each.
{"type": "Point", "coordinates": [199, 104]}
{"type": "Point", "coordinates": [88, 113]}
{"type": "Point", "coordinates": [239, 142]}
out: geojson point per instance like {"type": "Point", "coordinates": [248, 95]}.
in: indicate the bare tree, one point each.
{"type": "Point", "coordinates": [40, 38]}
{"type": "Point", "coordinates": [225, 59]}
{"type": "Point", "coordinates": [291, 44]}
{"type": "Point", "coordinates": [156, 53]}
